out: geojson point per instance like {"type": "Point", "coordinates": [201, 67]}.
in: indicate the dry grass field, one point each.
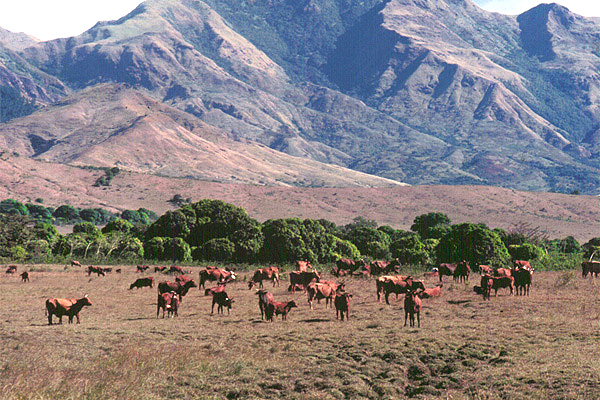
{"type": "Point", "coordinates": [545, 346]}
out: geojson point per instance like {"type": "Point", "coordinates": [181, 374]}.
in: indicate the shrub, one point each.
{"type": "Point", "coordinates": [221, 249]}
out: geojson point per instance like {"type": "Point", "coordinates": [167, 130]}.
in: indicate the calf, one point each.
{"type": "Point", "coordinates": [412, 306]}
{"type": "Point", "coordinates": [68, 307]}
{"type": "Point", "coordinates": [25, 277]}
{"type": "Point", "coordinates": [431, 292]}
{"type": "Point", "coordinates": [142, 282]}
{"type": "Point", "coordinates": [486, 286]}
{"type": "Point", "coordinates": [264, 298]}
{"type": "Point", "coordinates": [175, 303]}
{"type": "Point", "coordinates": [342, 305]}
{"type": "Point", "coordinates": [222, 300]}
{"type": "Point", "coordinates": [164, 301]}
{"type": "Point", "coordinates": [276, 308]}
{"type": "Point", "coordinates": [503, 282]}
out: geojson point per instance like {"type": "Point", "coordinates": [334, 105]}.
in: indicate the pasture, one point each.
{"type": "Point", "coordinates": [545, 346]}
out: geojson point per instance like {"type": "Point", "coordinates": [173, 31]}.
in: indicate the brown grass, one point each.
{"type": "Point", "coordinates": [542, 346]}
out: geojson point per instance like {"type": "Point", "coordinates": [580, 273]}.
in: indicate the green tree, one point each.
{"type": "Point", "coordinates": [411, 250]}
{"type": "Point", "coordinates": [38, 212]}
{"type": "Point", "coordinates": [176, 249]}
{"type": "Point", "coordinates": [431, 225]}
{"type": "Point", "coordinates": [118, 225]}
{"type": "Point", "coordinates": [10, 206]}
{"type": "Point", "coordinates": [525, 251]}
{"type": "Point", "coordinates": [154, 249]}
{"type": "Point", "coordinates": [371, 242]}
{"type": "Point", "coordinates": [474, 243]}
{"type": "Point", "coordinates": [221, 249]}
{"type": "Point", "coordinates": [87, 228]}
{"type": "Point", "coordinates": [66, 213]}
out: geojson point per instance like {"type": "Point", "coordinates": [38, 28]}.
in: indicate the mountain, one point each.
{"type": "Point", "coordinates": [418, 91]}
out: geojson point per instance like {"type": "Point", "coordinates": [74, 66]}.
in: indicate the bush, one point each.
{"type": "Point", "coordinates": [431, 226]}
{"type": "Point", "coordinates": [10, 206]}
{"type": "Point", "coordinates": [118, 225]}
{"type": "Point", "coordinates": [218, 250]}
{"type": "Point", "coordinates": [526, 251]}
{"type": "Point", "coordinates": [410, 250]}
{"type": "Point", "coordinates": [474, 243]}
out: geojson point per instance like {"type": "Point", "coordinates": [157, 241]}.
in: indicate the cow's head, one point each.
{"type": "Point", "coordinates": [86, 301]}
{"type": "Point", "coordinates": [292, 304]}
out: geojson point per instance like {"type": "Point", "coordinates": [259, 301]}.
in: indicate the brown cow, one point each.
{"type": "Point", "coordinates": [182, 278]}
{"type": "Point", "coordinates": [160, 268]}
{"type": "Point", "coordinates": [175, 270]}
{"type": "Point", "coordinates": [181, 288]}
{"type": "Point", "coordinates": [268, 273]}
{"type": "Point", "coordinates": [412, 306]}
{"type": "Point", "coordinates": [485, 270]}
{"type": "Point", "coordinates": [522, 278]}
{"type": "Point", "coordinates": [11, 269]}
{"type": "Point", "coordinates": [401, 286]}
{"type": "Point", "coordinates": [302, 278]}
{"type": "Point", "coordinates": [142, 282]}
{"type": "Point", "coordinates": [95, 270]}
{"type": "Point", "coordinates": [215, 274]}
{"type": "Point", "coordinates": [591, 267]}
{"type": "Point", "coordinates": [320, 291]}
{"type": "Point", "coordinates": [164, 302]}
{"type": "Point", "coordinates": [521, 264]}
{"type": "Point", "coordinates": [174, 309]}
{"type": "Point", "coordinates": [446, 269]}
{"type": "Point", "coordinates": [75, 263]}
{"type": "Point", "coordinates": [349, 265]}
{"type": "Point", "coordinates": [222, 300]}
{"type": "Point", "coordinates": [380, 283]}
{"type": "Point", "coordinates": [303, 266]}
{"type": "Point", "coordinates": [431, 292]}
{"type": "Point", "coordinates": [377, 267]}
{"type": "Point", "coordinates": [462, 271]}
{"type": "Point", "coordinates": [215, 289]}
{"type": "Point", "coordinates": [503, 282]}
{"type": "Point", "coordinates": [141, 268]}
{"type": "Point", "coordinates": [264, 298]}
{"type": "Point", "coordinates": [277, 308]}
{"type": "Point", "coordinates": [486, 286]}
{"type": "Point", "coordinates": [68, 307]}
{"type": "Point", "coordinates": [25, 277]}
{"type": "Point", "coordinates": [500, 272]}
{"type": "Point", "coordinates": [342, 305]}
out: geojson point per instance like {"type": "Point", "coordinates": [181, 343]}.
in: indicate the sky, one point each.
{"type": "Point", "coordinates": [51, 19]}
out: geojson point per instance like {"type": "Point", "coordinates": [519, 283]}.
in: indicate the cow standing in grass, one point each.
{"type": "Point", "coordinates": [412, 306]}
{"type": "Point", "coordinates": [69, 307]}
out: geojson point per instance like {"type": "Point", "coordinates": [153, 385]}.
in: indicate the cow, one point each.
{"type": "Point", "coordinates": [380, 283]}
{"type": "Point", "coordinates": [502, 272]}
{"type": "Point", "coordinates": [431, 292]}
{"type": "Point", "coordinates": [486, 286]}
{"type": "Point", "coordinates": [377, 267]}
{"type": "Point", "coordinates": [95, 270]}
{"type": "Point", "coordinates": [446, 269]}
{"type": "Point", "coordinates": [11, 269]}
{"type": "Point", "coordinates": [75, 263]}
{"type": "Point", "coordinates": [215, 274]}
{"type": "Point", "coordinates": [174, 269]}
{"type": "Point", "coordinates": [68, 307]}
{"type": "Point", "coordinates": [173, 310]}
{"type": "Point", "coordinates": [303, 266]}
{"type": "Point", "coordinates": [296, 287]}
{"type": "Point", "coordinates": [264, 298]}
{"type": "Point", "coordinates": [521, 264]}
{"type": "Point", "coordinates": [485, 269]}
{"type": "Point", "coordinates": [522, 278]}
{"type": "Point", "coordinates": [25, 276]}
{"type": "Point", "coordinates": [182, 278]}
{"type": "Point", "coordinates": [349, 265]}
{"type": "Point", "coordinates": [142, 282]}
{"type": "Point", "coordinates": [462, 271]}
{"type": "Point", "coordinates": [320, 291]}
{"type": "Point", "coordinates": [335, 271]}
{"type": "Point", "coordinates": [412, 306]}
{"type": "Point", "coordinates": [178, 287]}
{"type": "Point", "coordinates": [215, 289]}
{"type": "Point", "coordinates": [118, 270]}
{"type": "Point", "coordinates": [276, 308]}
{"type": "Point", "coordinates": [503, 282]}
{"type": "Point", "coordinates": [160, 268]}
{"type": "Point", "coordinates": [164, 301]}
{"type": "Point", "coordinates": [107, 270]}
{"type": "Point", "coordinates": [591, 267]}
{"type": "Point", "coordinates": [401, 286]}
{"type": "Point", "coordinates": [302, 278]}
{"type": "Point", "coordinates": [431, 274]}
{"type": "Point", "coordinates": [141, 268]}
{"type": "Point", "coordinates": [342, 305]}
{"type": "Point", "coordinates": [222, 300]}
{"type": "Point", "coordinates": [268, 273]}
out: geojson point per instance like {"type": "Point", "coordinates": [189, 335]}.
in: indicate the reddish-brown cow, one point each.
{"type": "Point", "coordinates": [164, 302]}
{"type": "Point", "coordinates": [342, 305]}
{"type": "Point", "coordinates": [181, 288]}
{"type": "Point", "coordinates": [446, 269]}
{"type": "Point", "coordinates": [302, 278]}
{"type": "Point", "coordinates": [216, 275]}
{"type": "Point", "coordinates": [320, 291]}
{"type": "Point", "coordinates": [268, 273]}
{"type": "Point", "coordinates": [276, 308]}
{"type": "Point", "coordinates": [68, 307]}
{"type": "Point", "coordinates": [264, 298]}
{"type": "Point", "coordinates": [412, 306]}
{"type": "Point", "coordinates": [25, 277]}
{"type": "Point", "coordinates": [431, 292]}
{"type": "Point", "coordinates": [142, 282]}
{"type": "Point", "coordinates": [503, 282]}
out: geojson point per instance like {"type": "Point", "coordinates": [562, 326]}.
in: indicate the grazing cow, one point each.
{"type": "Point", "coordinates": [215, 274]}
{"type": "Point", "coordinates": [320, 291]}
{"type": "Point", "coordinates": [141, 268]}
{"type": "Point", "coordinates": [500, 272]}
{"type": "Point", "coordinates": [142, 282]}
{"type": "Point", "coordinates": [349, 265]}
{"type": "Point", "coordinates": [164, 302]}
{"type": "Point", "coordinates": [215, 289]}
{"type": "Point", "coordinates": [503, 282]}
{"type": "Point", "coordinates": [401, 286]}
{"type": "Point", "coordinates": [175, 270]}
{"type": "Point", "coordinates": [522, 278]}
{"type": "Point", "coordinates": [431, 292]}
{"type": "Point", "coordinates": [462, 271]}
{"type": "Point", "coordinates": [181, 288]}
{"type": "Point", "coordinates": [486, 286]}
{"type": "Point", "coordinates": [342, 305]}
{"type": "Point", "coordinates": [381, 280]}
{"type": "Point", "coordinates": [25, 277]}
{"type": "Point", "coordinates": [591, 267]}
{"type": "Point", "coordinates": [268, 273]}
{"type": "Point", "coordinates": [446, 269]}
{"type": "Point", "coordinates": [182, 278]}
{"type": "Point", "coordinates": [276, 308]}
{"type": "Point", "coordinates": [303, 266]}
{"type": "Point", "coordinates": [412, 306]}
{"type": "Point", "coordinates": [264, 298]}
{"type": "Point", "coordinates": [11, 269]}
{"type": "Point", "coordinates": [95, 270]}
{"type": "Point", "coordinates": [75, 263]}
{"type": "Point", "coordinates": [159, 268]}
{"type": "Point", "coordinates": [302, 278]}
{"type": "Point", "coordinates": [485, 270]}
{"type": "Point", "coordinates": [68, 307]}
{"type": "Point", "coordinates": [222, 300]}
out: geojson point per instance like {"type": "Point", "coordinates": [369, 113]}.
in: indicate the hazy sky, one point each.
{"type": "Point", "coordinates": [50, 19]}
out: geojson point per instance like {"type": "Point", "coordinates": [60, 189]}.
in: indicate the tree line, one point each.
{"type": "Point", "coordinates": [212, 230]}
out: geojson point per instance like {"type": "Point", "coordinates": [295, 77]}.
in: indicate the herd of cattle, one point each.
{"type": "Point", "coordinates": [305, 278]}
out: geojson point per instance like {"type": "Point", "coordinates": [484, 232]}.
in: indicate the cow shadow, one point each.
{"type": "Point", "coordinates": [316, 320]}
{"type": "Point", "coordinates": [459, 301]}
